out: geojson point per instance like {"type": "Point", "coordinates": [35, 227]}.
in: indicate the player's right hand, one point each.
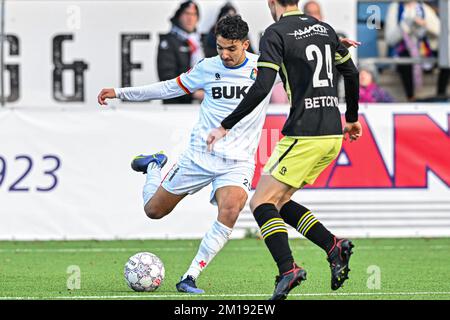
{"type": "Point", "coordinates": [353, 130]}
{"type": "Point", "coordinates": [349, 43]}
{"type": "Point", "coordinates": [214, 136]}
{"type": "Point", "coordinates": [105, 94]}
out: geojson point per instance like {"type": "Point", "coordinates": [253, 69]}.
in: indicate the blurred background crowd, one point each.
{"type": "Point", "coordinates": [397, 57]}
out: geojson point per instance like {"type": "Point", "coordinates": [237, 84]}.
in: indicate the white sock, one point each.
{"type": "Point", "coordinates": [152, 181]}
{"type": "Point", "coordinates": [211, 244]}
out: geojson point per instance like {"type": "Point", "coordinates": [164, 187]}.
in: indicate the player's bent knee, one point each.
{"type": "Point", "coordinates": [229, 215]}
{"type": "Point", "coordinates": [230, 211]}
{"type": "Point", "coordinates": [153, 212]}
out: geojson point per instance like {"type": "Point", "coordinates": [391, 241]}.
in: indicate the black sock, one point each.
{"type": "Point", "coordinates": [304, 222]}
{"type": "Point", "coordinates": [274, 233]}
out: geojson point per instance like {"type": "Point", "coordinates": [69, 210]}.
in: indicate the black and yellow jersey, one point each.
{"type": "Point", "coordinates": [307, 54]}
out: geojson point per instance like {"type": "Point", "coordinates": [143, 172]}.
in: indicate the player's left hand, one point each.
{"type": "Point", "coordinates": [348, 43]}
{"type": "Point", "coordinates": [214, 136]}
{"type": "Point", "coordinates": [105, 94]}
{"type": "Point", "coordinates": [353, 130]}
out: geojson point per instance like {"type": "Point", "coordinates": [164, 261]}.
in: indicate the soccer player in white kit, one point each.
{"type": "Point", "coordinates": [225, 80]}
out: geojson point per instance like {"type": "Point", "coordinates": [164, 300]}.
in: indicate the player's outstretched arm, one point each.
{"type": "Point", "coordinates": [186, 83]}
{"type": "Point", "coordinates": [157, 91]}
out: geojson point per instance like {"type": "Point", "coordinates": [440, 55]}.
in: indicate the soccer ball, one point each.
{"type": "Point", "coordinates": [144, 272]}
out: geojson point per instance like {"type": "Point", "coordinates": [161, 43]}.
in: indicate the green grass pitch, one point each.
{"type": "Point", "coordinates": [407, 269]}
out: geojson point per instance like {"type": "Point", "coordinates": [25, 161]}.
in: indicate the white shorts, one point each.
{"type": "Point", "coordinates": [195, 170]}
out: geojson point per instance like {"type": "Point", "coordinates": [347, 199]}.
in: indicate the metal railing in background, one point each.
{"type": "Point", "coordinates": [398, 61]}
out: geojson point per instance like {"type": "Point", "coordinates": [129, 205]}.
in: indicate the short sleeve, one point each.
{"type": "Point", "coordinates": [271, 50]}
{"type": "Point", "coordinates": [193, 79]}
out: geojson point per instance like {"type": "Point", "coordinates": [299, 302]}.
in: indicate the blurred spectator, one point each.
{"type": "Point", "coordinates": [434, 4]}
{"type": "Point", "coordinates": [369, 91]}
{"type": "Point", "coordinates": [181, 48]}
{"type": "Point", "coordinates": [210, 46]}
{"type": "Point", "coordinates": [313, 8]}
{"type": "Point", "coordinates": [412, 29]}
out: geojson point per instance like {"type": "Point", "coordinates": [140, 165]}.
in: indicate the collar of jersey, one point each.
{"type": "Point", "coordinates": [238, 66]}
{"type": "Point", "coordinates": [292, 13]}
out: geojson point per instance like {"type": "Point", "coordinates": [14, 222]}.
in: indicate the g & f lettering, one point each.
{"type": "Point", "coordinates": [77, 66]}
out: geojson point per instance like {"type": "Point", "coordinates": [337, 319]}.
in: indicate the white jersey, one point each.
{"type": "Point", "coordinates": [224, 88]}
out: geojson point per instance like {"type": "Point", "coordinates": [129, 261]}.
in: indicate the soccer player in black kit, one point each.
{"type": "Point", "coordinates": [307, 54]}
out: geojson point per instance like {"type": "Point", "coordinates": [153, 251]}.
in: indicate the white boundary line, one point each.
{"type": "Point", "coordinates": [196, 297]}
{"type": "Point", "coordinates": [162, 249]}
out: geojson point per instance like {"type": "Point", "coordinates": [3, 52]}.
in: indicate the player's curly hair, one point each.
{"type": "Point", "coordinates": [232, 28]}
